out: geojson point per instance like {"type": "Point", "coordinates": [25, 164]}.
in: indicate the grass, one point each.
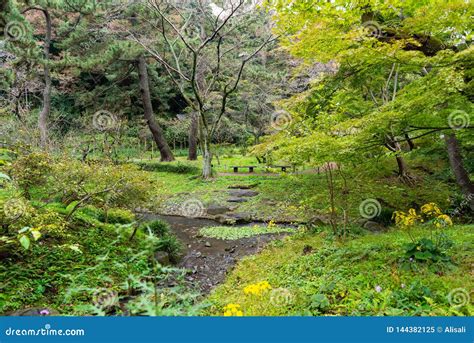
{"type": "Point", "coordinates": [238, 232]}
{"type": "Point", "coordinates": [312, 275]}
{"type": "Point", "coordinates": [289, 197]}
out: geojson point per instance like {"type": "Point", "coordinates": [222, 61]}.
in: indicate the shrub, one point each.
{"type": "Point", "coordinates": [178, 168]}
{"type": "Point", "coordinates": [117, 216]}
{"type": "Point", "coordinates": [31, 170]}
{"type": "Point", "coordinates": [158, 227]}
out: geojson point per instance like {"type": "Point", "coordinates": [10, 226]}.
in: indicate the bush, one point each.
{"type": "Point", "coordinates": [165, 240]}
{"type": "Point", "coordinates": [171, 245]}
{"type": "Point", "coordinates": [31, 170]}
{"type": "Point", "coordinates": [159, 228]}
{"type": "Point", "coordinates": [178, 168]}
{"type": "Point", "coordinates": [117, 216]}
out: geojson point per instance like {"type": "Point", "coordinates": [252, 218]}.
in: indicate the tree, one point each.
{"type": "Point", "coordinates": [402, 76]}
{"type": "Point", "coordinates": [205, 61]}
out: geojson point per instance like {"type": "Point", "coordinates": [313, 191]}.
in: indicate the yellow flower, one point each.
{"type": "Point", "coordinates": [258, 288]}
{"type": "Point", "coordinates": [271, 224]}
{"type": "Point", "coordinates": [233, 310]}
{"type": "Point", "coordinates": [431, 209]}
{"type": "Point", "coordinates": [443, 220]}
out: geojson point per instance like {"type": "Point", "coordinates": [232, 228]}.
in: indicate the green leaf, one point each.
{"type": "Point", "coordinates": [25, 242]}
{"type": "Point", "coordinates": [36, 234]}
{"type": "Point", "coordinates": [75, 248]}
{"type": "Point", "coordinates": [423, 255]}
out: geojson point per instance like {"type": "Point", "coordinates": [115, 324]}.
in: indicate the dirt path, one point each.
{"type": "Point", "coordinates": [207, 259]}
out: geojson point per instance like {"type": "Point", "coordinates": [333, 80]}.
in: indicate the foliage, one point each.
{"type": "Point", "coordinates": [426, 249]}
{"type": "Point", "coordinates": [178, 168]}
{"type": "Point", "coordinates": [117, 216]}
{"type": "Point", "coordinates": [362, 277]}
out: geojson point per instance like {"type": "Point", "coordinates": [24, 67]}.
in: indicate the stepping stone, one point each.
{"type": "Point", "coordinates": [237, 200]}
{"type": "Point", "coordinates": [243, 186]}
{"type": "Point", "coordinates": [217, 209]}
{"type": "Point", "coordinates": [242, 217]}
{"type": "Point", "coordinates": [242, 193]}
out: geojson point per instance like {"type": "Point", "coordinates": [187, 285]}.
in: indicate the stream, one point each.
{"type": "Point", "coordinates": [208, 259]}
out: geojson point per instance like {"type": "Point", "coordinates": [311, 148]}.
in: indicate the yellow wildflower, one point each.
{"type": "Point", "coordinates": [443, 220]}
{"type": "Point", "coordinates": [271, 224]}
{"type": "Point", "coordinates": [257, 288]}
{"type": "Point", "coordinates": [233, 310]}
{"type": "Point", "coordinates": [431, 209]}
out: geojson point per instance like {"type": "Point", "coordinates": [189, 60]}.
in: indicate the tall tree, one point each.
{"type": "Point", "coordinates": [157, 132]}
{"type": "Point", "coordinates": [206, 67]}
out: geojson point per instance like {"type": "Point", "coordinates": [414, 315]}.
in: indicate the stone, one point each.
{"type": "Point", "coordinates": [373, 226]}
{"type": "Point", "coordinates": [208, 244]}
{"type": "Point", "coordinates": [243, 186]}
{"type": "Point", "coordinates": [226, 220]}
{"type": "Point", "coordinates": [241, 217]}
{"type": "Point", "coordinates": [40, 311]}
{"type": "Point", "coordinates": [237, 200]}
{"type": "Point", "coordinates": [217, 209]}
{"type": "Point", "coordinates": [242, 193]}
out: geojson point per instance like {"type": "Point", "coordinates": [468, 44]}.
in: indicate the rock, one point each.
{"type": "Point", "coordinates": [242, 217]}
{"type": "Point", "coordinates": [217, 209]}
{"type": "Point", "coordinates": [237, 200]}
{"type": "Point", "coordinates": [39, 311]}
{"type": "Point", "coordinates": [162, 258]}
{"type": "Point", "coordinates": [198, 254]}
{"type": "Point", "coordinates": [226, 220]}
{"type": "Point", "coordinates": [230, 250]}
{"type": "Point", "coordinates": [373, 226]}
{"type": "Point", "coordinates": [243, 186]}
{"type": "Point", "coordinates": [207, 244]}
{"type": "Point", "coordinates": [242, 193]}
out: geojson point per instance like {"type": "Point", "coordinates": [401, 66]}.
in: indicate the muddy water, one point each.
{"type": "Point", "coordinates": [207, 259]}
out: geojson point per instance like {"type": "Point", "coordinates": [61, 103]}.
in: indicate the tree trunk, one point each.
{"type": "Point", "coordinates": [193, 133]}
{"type": "Point", "coordinates": [206, 150]}
{"type": "Point", "coordinates": [44, 114]}
{"type": "Point", "coordinates": [207, 161]}
{"type": "Point", "coordinates": [394, 146]}
{"type": "Point", "coordinates": [165, 151]}
{"type": "Point", "coordinates": [457, 166]}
